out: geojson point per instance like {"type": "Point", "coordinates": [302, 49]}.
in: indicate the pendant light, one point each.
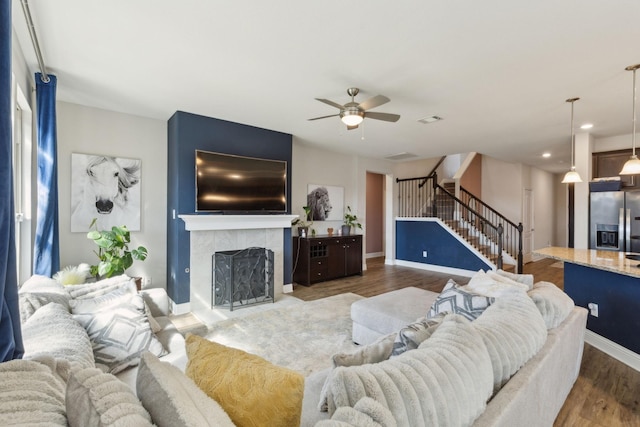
{"type": "Point", "coordinates": [632, 166]}
{"type": "Point", "coordinates": [572, 176]}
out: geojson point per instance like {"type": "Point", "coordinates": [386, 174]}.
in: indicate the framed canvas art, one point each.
{"type": "Point", "coordinates": [106, 188]}
{"type": "Point", "coordinates": [326, 202]}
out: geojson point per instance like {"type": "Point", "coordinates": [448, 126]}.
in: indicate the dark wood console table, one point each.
{"type": "Point", "coordinates": [321, 258]}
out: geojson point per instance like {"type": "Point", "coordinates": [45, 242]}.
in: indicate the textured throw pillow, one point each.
{"type": "Point", "coordinates": [31, 395]}
{"type": "Point", "coordinates": [173, 400]}
{"type": "Point", "coordinates": [455, 299]}
{"type": "Point", "coordinates": [513, 331]}
{"type": "Point", "coordinates": [491, 284]}
{"type": "Point", "coordinates": [52, 331]}
{"type": "Point", "coordinates": [411, 336]}
{"type": "Point", "coordinates": [253, 391]}
{"type": "Point", "coordinates": [501, 278]}
{"type": "Point", "coordinates": [120, 334]}
{"type": "Point", "coordinates": [447, 381]}
{"type": "Point", "coordinates": [525, 279]}
{"type": "Point", "coordinates": [38, 283]}
{"type": "Point", "coordinates": [31, 302]}
{"type": "Point", "coordinates": [98, 399]}
{"type": "Point", "coordinates": [101, 287]}
{"type": "Point", "coordinates": [373, 353]}
{"type": "Point", "coordinates": [102, 302]}
{"type": "Point", "coordinates": [554, 305]}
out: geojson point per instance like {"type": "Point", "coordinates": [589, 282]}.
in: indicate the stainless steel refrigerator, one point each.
{"type": "Point", "coordinates": [614, 221]}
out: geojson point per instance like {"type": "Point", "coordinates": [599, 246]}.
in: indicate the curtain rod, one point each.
{"type": "Point", "coordinates": [34, 40]}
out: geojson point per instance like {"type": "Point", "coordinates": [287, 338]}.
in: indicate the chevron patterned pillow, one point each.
{"type": "Point", "coordinates": [455, 299]}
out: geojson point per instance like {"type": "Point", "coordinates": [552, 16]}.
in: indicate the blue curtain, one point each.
{"type": "Point", "coordinates": [46, 251]}
{"type": "Point", "coordinates": [10, 334]}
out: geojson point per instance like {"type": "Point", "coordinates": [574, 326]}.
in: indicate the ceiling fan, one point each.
{"type": "Point", "coordinates": [352, 113]}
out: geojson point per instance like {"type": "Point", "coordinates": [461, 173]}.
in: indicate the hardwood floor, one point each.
{"type": "Point", "coordinates": [607, 392]}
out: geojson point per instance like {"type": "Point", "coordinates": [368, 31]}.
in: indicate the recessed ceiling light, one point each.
{"type": "Point", "coordinates": [546, 155]}
{"type": "Point", "coordinates": [586, 126]}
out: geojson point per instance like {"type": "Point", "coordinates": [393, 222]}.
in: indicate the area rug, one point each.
{"type": "Point", "coordinates": [302, 337]}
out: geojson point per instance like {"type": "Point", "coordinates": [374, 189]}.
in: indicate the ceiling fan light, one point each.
{"type": "Point", "coordinates": [352, 118]}
{"type": "Point", "coordinates": [571, 177]}
{"type": "Point", "coordinates": [631, 167]}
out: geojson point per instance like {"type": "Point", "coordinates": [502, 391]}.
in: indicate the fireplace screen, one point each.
{"type": "Point", "coordinates": [242, 278]}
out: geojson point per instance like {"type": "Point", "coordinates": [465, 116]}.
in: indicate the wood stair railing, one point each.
{"type": "Point", "coordinates": [483, 227]}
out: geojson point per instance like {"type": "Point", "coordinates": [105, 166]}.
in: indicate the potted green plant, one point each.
{"type": "Point", "coordinates": [303, 224]}
{"type": "Point", "coordinates": [350, 221]}
{"type": "Point", "coordinates": [113, 250]}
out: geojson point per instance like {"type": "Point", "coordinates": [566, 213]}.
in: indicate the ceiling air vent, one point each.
{"type": "Point", "coordinates": [401, 156]}
{"type": "Point", "coordinates": [430, 119]}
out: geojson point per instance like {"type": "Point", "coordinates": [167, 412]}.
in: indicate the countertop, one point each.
{"type": "Point", "coordinates": [615, 262]}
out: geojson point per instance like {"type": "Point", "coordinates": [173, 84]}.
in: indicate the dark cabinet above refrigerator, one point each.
{"type": "Point", "coordinates": [609, 163]}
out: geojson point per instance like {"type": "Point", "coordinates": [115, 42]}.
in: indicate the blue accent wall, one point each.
{"type": "Point", "coordinates": [188, 132]}
{"type": "Point", "coordinates": [443, 249]}
{"type": "Point", "coordinates": [618, 299]}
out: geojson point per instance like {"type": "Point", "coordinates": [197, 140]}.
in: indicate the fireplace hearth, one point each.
{"type": "Point", "coordinates": [242, 278]}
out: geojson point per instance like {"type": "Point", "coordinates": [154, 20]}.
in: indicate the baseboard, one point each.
{"type": "Point", "coordinates": [613, 349]}
{"type": "Point", "coordinates": [287, 289]}
{"type": "Point", "coordinates": [374, 255]}
{"type": "Point", "coordinates": [183, 308]}
{"type": "Point", "coordinates": [436, 268]}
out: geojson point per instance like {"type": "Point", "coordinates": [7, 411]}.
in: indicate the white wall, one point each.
{"type": "Point", "coordinates": [416, 168]}
{"type": "Point", "coordinates": [94, 131]}
{"type": "Point", "coordinates": [619, 142]}
{"type": "Point", "coordinates": [314, 166]}
{"type": "Point", "coordinates": [542, 184]}
{"type": "Point", "coordinates": [502, 187]}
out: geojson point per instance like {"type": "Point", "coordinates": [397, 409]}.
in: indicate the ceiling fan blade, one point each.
{"type": "Point", "coordinates": [324, 117]}
{"type": "Point", "coordinates": [352, 127]}
{"type": "Point", "coordinates": [387, 117]}
{"type": "Point", "coordinates": [333, 104]}
{"type": "Point", "coordinates": [374, 102]}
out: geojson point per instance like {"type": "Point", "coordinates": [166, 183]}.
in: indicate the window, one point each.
{"type": "Point", "coordinates": [21, 121]}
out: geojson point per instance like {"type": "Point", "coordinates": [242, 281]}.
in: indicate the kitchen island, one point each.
{"type": "Point", "coordinates": [608, 285]}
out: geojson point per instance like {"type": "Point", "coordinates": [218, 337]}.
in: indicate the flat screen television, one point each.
{"type": "Point", "coordinates": [237, 184]}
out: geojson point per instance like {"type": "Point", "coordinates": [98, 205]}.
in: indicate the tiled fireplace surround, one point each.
{"type": "Point", "coordinates": [212, 233]}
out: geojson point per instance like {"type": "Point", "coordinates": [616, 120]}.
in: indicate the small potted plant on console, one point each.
{"type": "Point", "coordinates": [303, 224]}
{"type": "Point", "coordinates": [350, 221]}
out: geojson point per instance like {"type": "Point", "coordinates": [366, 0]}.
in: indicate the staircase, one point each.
{"type": "Point", "coordinates": [490, 233]}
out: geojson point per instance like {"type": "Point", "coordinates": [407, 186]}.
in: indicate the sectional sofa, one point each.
{"type": "Point", "coordinates": [513, 365]}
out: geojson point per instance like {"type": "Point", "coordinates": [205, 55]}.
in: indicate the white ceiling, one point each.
{"type": "Point", "coordinates": [497, 71]}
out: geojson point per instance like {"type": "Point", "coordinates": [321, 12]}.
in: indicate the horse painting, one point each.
{"type": "Point", "coordinates": [106, 188]}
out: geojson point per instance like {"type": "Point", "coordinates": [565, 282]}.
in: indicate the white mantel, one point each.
{"type": "Point", "coordinates": [235, 222]}
{"type": "Point", "coordinates": [211, 233]}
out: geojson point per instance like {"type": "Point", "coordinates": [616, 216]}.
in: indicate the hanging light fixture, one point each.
{"type": "Point", "coordinates": [572, 176]}
{"type": "Point", "coordinates": [632, 166]}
